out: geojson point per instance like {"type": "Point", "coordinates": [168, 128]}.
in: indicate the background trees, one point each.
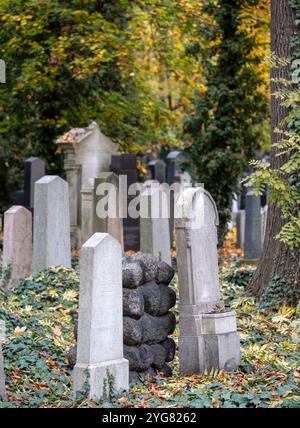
{"type": "Point", "coordinates": [279, 268]}
{"type": "Point", "coordinates": [228, 124]}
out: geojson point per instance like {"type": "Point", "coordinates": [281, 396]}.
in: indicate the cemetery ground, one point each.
{"type": "Point", "coordinates": [40, 314]}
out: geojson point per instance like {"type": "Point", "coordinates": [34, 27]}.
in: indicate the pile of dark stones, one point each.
{"type": "Point", "coordinates": [147, 322]}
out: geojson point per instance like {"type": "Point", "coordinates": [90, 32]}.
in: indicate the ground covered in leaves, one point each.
{"type": "Point", "coordinates": [39, 318]}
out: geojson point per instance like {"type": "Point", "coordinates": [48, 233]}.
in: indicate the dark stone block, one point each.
{"type": "Point", "coordinates": [132, 274]}
{"type": "Point", "coordinates": [133, 303]}
{"type": "Point", "coordinates": [149, 264]}
{"type": "Point", "coordinates": [165, 273]}
{"type": "Point", "coordinates": [170, 348]}
{"type": "Point", "coordinates": [167, 300]}
{"type": "Point", "coordinates": [71, 357]}
{"type": "Point", "coordinates": [151, 294]}
{"type": "Point", "coordinates": [132, 331]}
{"type": "Point", "coordinates": [157, 329]}
{"type": "Point", "coordinates": [159, 356]}
{"type": "Point", "coordinates": [165, 371]}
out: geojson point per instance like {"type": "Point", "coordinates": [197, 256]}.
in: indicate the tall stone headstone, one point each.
{"type": "Point", "coordinates": [158, 170]}
{"type": "Point", "coordinates": [17, 243]}
{"type": "Point", "coordinates": [34, 169]}
{"type": "Point", "coordinates": [100, 359]}
{"type": "Point", "coordinates": [125, 165]}
{"type": "Point", "coordinates": [2, 377]}
{"type": "Point", "coordinates": [240, 229]}
{"type": "Point", "coordinates": [253, 226]}
{"type": "Point", "coordinates": [51, 234]}
{"type": "Point", "coordinates": [208, 337]}
{"type": "Point", "coordinates": [87, 153]}
{"type": "Point", "coordinates": [107, 209]}
{"type": "Point", "coordinates": [154, 223]}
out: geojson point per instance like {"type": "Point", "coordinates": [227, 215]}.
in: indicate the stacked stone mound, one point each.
{"type": "Point", "coordinates": [147, 323]}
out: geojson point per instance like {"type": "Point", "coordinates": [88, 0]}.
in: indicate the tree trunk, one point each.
{"type": "Point", "coordinates": [277, 259]}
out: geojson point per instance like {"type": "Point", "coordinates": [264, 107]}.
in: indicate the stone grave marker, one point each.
{"type": "Point", "coordinates": [106, 198]}
{"type": "Point", "coordinates": [154, 223]}
{"type": "Point", "coordinates": [253, 226]}
{"type": "Point", "coordinates": [87, 153]}
{"type": "Point", "coordinates": [173, 165]}
{"type": "Point", "coordinates": [51, 234]}
{"type": "Point", "coordinates": [158, 170]}
{"type": "Point", "coordinates": [34, 169]}
{"type": "Point", "coordinates": [125, 165]}
{"type": "Point", "coordinates": [100, 361]}
{"type": "Point", "coordinates": [208, 337]}
{"type": "Point", "coordinates": [17, 243]}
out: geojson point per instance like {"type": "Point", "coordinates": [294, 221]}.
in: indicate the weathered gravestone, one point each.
{"type": "Point", "coordinates": [51, 234]}
{"type": "Point", "coordinates": [154, 223]}
{"type": "Point", "coordinates": [34, 169]}
{"type": "Point", "coordinates": [125, 165]}
{"type": "Point", "coordinates": [17, 243]}
{"type": "Point", "coordinates": [158, 169]}
{"type": "Point", "coordinates": [87, 153]}
{"type": "Point", "coordinates": [240, 229]}
{"type": "Point", "coordinates": [174, 159]}
{"type": "Point", "coordinates": [253, 226]}
{"type": "Point", "coordinates": [208, 337]}
{"type": "Point", "coordinates": [2, 377]}
{"type": "Point", "coordinates": [100, 361]}
{"type": "Point", "coordinates": [107, 211]}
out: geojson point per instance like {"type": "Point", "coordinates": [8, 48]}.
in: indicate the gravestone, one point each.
{"type": "Point", "coordinates": [17, 243]}
{"type": "Point", "coordinates": [253, 226]}
{"type": "Point", "coordinates": [208, 337]}
{"type": "Point", "coordinates": [34, 169]}
{"type": "Point", "coordinates": [106, 198]}
{"type": "Point", "coordinates": [51, 233]}
{"type": "Point", "coordinates": [158, 170]}
{"type": "Point", "coordinates": [264, 216]}
{"type": "Point", "coordinates": [125, 165]}
{"type": "Point", "coordinates": [87, 153]}
{"type": "Point", "coordinates": [174, 160]}
{"type": "Point", "coordinates": [154, 223]}
{"type": "Point", "coordinates": [2, 377]}
{"type": "Point", "coordinates": [100, 323]}
{"type": "Point", "coordinates": [240, 229]}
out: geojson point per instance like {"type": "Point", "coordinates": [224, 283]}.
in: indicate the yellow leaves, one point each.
{"type": "Point", "coordinates": [69, 295]}
{"type": "Point", "coordinates": [56, 330]}
{"type": "Point", "coordinates": [19, 330]}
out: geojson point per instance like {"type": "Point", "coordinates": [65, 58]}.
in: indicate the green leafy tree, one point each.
{"type": "Point", "coordinates": [68, 62]}
{"type": "Point", "coordinates": [227, 125]}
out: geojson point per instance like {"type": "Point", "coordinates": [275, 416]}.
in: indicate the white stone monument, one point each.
{"type": "Point", "coordinates": [17, 243]}
{"type": "Point", "coordinates": [51, 233]}
{"type": "Point", "coordinates": [87, 153]}
{"type": "Point", "coordinates": [154, 222]}
{"type": "Point", "coordinates": [208, 337]}
{"type": "Point", "coordinates": [100, 325]}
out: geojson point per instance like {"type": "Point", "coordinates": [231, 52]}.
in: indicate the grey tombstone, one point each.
{"type": "Point", "coordinates": [17, 243]}
{"type": "Point", "coordinates": [87, 153]}
{"type": "Point", "coordinates": [154, 223]}
{"type": "Point", "coordinates": [158, 170]}
{"type": "Point", "coordinates": [125, 165]}
{"type": "Point", "coordinates": [240, 229]}
{"type": "Point", "coordinates": [208, 336]}
{"type": "Point", "coordinates": [2, 377]}
{"type": "Point", "coordinates": [174, 159]}
{"type": "Point", "coordinates": [100, 359]}
{"type": "Point", "coordinates": [51, 234]}
{"type": "Point", "coordinates": [106, 198]}
{"type": "Point", "coordinates": [253, 226]}
{"type": "Point", "coordinates": [34, 169]}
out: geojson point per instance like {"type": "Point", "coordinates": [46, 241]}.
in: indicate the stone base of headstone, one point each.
{"type": "Point", "coordinates": [213, 345]}
{"type": "Point", "coordinates": [99, 381]}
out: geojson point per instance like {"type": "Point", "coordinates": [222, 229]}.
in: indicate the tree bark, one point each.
{"type": "Point", "coordinates": [277, 259]}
